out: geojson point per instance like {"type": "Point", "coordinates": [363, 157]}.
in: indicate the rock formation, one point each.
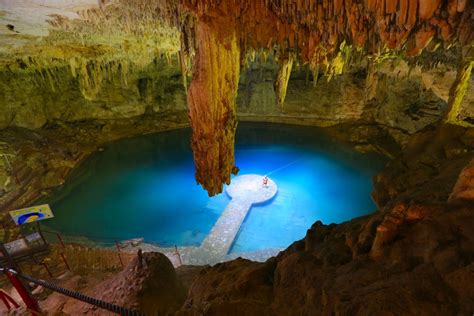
{"type": "Point", "coordinates": [419, 251]}
{"type": "Point", "coordinates": [211, 100]}
{"type": "Point", "coordinates": [319, 34]}
{"type": "Point", "coordinates": [148, 284]}
{"type": "Point", "coordinates": [458, 90]}
{"type": "Point", "coordinates": [124, 43]}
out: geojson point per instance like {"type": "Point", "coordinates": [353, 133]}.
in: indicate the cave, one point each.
{"type": "Point", "coordinates": [224, 157]}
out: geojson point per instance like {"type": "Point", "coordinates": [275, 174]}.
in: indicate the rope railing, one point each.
{"type": "Point", "coordinates": [97, 241]}
{"type": "Point", "coordinates": [92, 242]}
{"type": "Point", "coordinates": [123, 311]}
{"type": "Point", "coordinates": [82, 238]}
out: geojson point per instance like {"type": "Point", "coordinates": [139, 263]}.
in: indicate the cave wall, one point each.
{"type": "Point", "coordinates": [405, 99]}
{"type": "Point", "coordinates": [33, 98]}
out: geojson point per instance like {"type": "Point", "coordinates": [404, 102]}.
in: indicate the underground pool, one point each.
{"type": "Point", "coordinates": [144, 187]}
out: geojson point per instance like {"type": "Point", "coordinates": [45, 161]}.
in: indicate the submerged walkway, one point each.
{"type": "Point", "coordinates": [245, 191]}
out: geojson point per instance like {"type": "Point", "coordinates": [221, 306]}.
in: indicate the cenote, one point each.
{"type": "Point", "coordinates": [145, 187]}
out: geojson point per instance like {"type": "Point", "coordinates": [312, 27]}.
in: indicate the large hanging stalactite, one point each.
{"type": "Point", "coordinates": [211, 98]}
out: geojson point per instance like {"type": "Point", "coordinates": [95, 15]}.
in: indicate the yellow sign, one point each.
{"type": "Point", "coordinates": [31, 214]}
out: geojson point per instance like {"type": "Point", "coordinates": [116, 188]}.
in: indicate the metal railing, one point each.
{"type": "Point", "coordinates": [32, 304]}
{"type": "Point", "coordinates": [112, 243]}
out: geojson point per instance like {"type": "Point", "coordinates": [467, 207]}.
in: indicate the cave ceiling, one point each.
{"type": "Point", "coordinates": [211, 40]}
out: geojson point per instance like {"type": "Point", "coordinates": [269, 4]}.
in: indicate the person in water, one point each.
{"type": "Point", "coordinates": [265, 181]}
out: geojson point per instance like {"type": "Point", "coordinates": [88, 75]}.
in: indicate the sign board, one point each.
{"type": "Point", "coordinates": [16, 246]}
{"type": "Point", "coordinates": [33, 237]}
{"type": "Point", "coordinates": [31, 214]}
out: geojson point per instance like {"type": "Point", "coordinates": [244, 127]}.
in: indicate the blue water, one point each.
{"type": "Point", "coordinates": [145, 187]}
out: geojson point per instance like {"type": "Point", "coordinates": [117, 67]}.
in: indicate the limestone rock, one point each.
{"type": "Point", "coordinates": [463, 191]}
{"type": "Point", "coordinates": [239, 287]}
{"type": "Point", "coordinates": [211, 99]}
{"type": "Point", "coordinates": [421, 267]}
{"type": "Point", "coordinates": [151, 287]}
{"type": "Point", "coordinates": [462, 281]}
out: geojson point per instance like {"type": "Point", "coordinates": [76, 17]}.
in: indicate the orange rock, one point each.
{"type": "Point", "coordinates": [337, 7]}
{"type": "Point", "coordinates": [211, 101]}
{"type": "Point", "coordinates": [417, 212]}
{"type": "Point", "coordinates": [427, 8]}
{"type": "Point", "coordinates": [372, 5]}
{"type": "Point", "coordinates": [391, 6]}
{"type": "Point", "coordinates": [452, 7]}
{"type": "Point", "coordinates": [461, 5]}
{"type": "Point", "coordinates": [463, 190]}
{"type": "Point", "coordinates": [412, 11]}
{"type": "Point", "coordinates": [402, 16]}
{"type": "Point", "coordinates": [423, 37]}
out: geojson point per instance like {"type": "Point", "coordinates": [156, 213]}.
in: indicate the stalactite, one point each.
{"type": "Point", "coordinates": [184, 68]}
{"type": "Point", "coordinates": [211, 99]}
{"type": "Point", "coordinates": [315, 71]}
{"type": "Point", "coordinates": [371, 81]}
{"type": "Point", "coordinates": [284, 73]}
{"type": "Point", "coordinates": [319, 32]}
{"type": "Point", "coordinates": [457, 92]}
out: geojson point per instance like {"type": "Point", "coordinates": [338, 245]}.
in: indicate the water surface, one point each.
{"type": "Point", "coordinates": [145, 187]}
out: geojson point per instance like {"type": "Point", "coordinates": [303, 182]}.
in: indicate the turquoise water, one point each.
{"type": "Point", "coordinates": [145, 187]}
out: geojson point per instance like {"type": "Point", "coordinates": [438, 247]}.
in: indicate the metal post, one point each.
{"type": "Point", "coordinates": [30, 302]}
{"type": "Point", "coordinates": [41, 233]}
{"type": "Point", "coordinates": [10, 168]}
{"type": "Point", "coordinates": [118, 253]}
{"type": "Point", "coordinates": [60, 240]}
{"type": "Point", "coordinates": [47, 269]}
{"type": "Point", "coordinates": [65, 261]}
{"type": "Point", "coordinates": [179, 256]}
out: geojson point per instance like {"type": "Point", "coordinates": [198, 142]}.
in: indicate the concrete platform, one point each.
{"type": "Point", "coordinates": [245, 191]}
{"type": "Point", "coordinates": [249, 187]}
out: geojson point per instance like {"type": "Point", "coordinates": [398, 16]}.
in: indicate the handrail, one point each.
{"type": "Point", "coordinates": [75, 295]}
{"type": "Point", "coordinates": [113, 242]}
{"type": "Point", "coordinates": [82, 236]}
{"type": "Point", "coordinates": [110, 241]}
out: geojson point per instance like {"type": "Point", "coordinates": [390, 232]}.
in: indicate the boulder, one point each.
{"type": "Point", "coordinates": [149, 285]}
{"type": "Point", "coordinates": [238, 287]}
